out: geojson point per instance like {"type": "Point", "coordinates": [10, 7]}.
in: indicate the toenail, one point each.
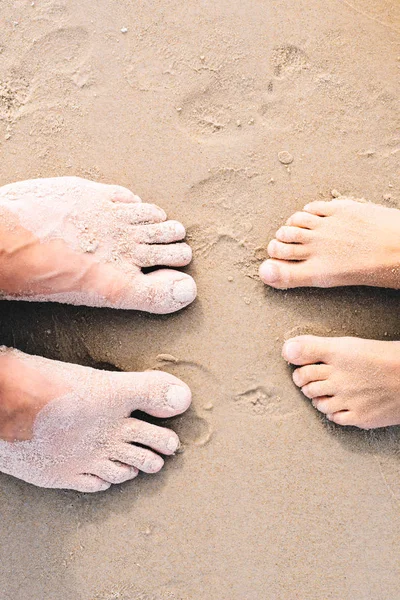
{"type": "Point", "coordinates": [292, 351]}
{"type": "Point", "coordinates": [152, 465]}
{"type": "Point", "coordinates": [179, 229]}
{"type": "Point", "coordinates": [296, 378]}
{"type": "Point", "coordinates": [184, 291]}
{"type": "Point", "coordinates": [172, 444]}
{"type": "Point", "coordinates": [268, 272]}
{"type": "Point", "coordinates": [177, 397]}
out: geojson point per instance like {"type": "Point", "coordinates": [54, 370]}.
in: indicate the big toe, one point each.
{"type": "Point", "coordinates": [306, 350]}
{"type": "Point", "coordinates": [157, 393]}
{"type": "Point", "coordinates": [270, 273]}
{"type": "Point", "coordinates": [283, 274]}
{"type": "Point", "coordinates": [161, 292]}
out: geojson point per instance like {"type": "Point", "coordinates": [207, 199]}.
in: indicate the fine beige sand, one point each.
{"type": "Point", "coordinates": [189, 104]}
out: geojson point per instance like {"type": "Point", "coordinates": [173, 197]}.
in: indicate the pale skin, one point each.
{"type": "Point", "coordinates": [97, 443]}
{"type": "Point", "coordinates": [341, 243]}
{"type": "Point", "coordinates": [89, 249]}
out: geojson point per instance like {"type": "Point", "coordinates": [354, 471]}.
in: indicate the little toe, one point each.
{"type": "Point", "coordinates": [161, 292]}
{"type": "Point", "coordinates": [284, 251]}
{"type": "Point", "coordinates": [317, 389]}
{"type": "Point", "coordinates": [282, 274]}
{"type": "Point", "coordinates": [306, 350]}
{"type": "Point", "coordinates": [159, 233]}
{"type": "Point", "coordinates": [293, 235]}
{"type": "Point", "coordinates": [114, 471]}
{"type": "Point", "coordinates": [320, 208]}
{"type": "Point", "coordinates": [304, 220]}
{"type": "Point", "coordinates": [141, 458]}
{"type": "Point", "coordinates": [309, 373]}
{"type": "Point", "coordinates": [160, 439]}
{"type": "Point", "coordinates": [88, 484]}
{"type": "Point", "coordinates": [154, 392]}
{"type": "Point", "coordinates": [168, 255]}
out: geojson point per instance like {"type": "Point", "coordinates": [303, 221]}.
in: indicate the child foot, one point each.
{"type": "Point", "coordinates": [80, 242]}
{"type": "Point", "coordinates": [352, 381]}
{"type": "Point", "coordinates": [337, 243]}
{"type": "Point", "coordinates": [68, 426]}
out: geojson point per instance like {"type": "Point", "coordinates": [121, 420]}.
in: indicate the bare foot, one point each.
{"type": "Point", "coordinates": [80, 242]}
{"type": "Point", "coordinates": [352, 381]}
{"type": "Point", "coordinates": [68, 426]}
{"type": "Point", "coordinates": [337, 243]}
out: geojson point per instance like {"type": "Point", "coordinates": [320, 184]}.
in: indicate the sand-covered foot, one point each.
{"type": "Point", "coordinates": [80, 242]}
{"type": "Point", "coordinates": [68, 426]}
{"type": "Point", "coordinates": [351, 380]}
{"type": "Point", "coordinates": [337, 243]}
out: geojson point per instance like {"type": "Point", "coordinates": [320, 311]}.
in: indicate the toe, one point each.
{"type": "Point", "coordinates": [293, 235]}
{"type": "Point", "coordinates": [154, 392]}
{"type": "Point", "coordinates": [169, 255]}
{"type": "Point", "coordinates": [115, 471]}
{"type": "Point", "coordinates": [161, 292]}
{"type": "Point", "coordinates": [138, 213]}
{"type": "Point", "coordinates": [320, 208]}
{"type": "Point", "coordinates": [329, 405]}
{"type": "Point", "coordinates": [160, 439]}
{"type": "Point", "coordinates": [285, 274]}
{"type": "Point", "coordinates": [306, 350]}
{"type": "Point", "coordinates": [88, 484]}
{"type": "Point", "coordinates": [159, 233]}
{"type": "Point", "coordinates": [141, 458]}
{"type": "Point", "coordinates": [283, 251]}
{"type": "Point", "coordinates": [304, 220]}
{"type": "Point", "coordinates": [343, 417]}
{"type": "Point", "coordinates": [311, 373]}
{"type": "Point", "coordinates": [117, 193]}
{"type": "Point", "coordinates": [317, 389]}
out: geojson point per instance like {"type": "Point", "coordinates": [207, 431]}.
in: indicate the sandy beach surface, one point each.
{"type": "Point", "coordinates": [190, 104]}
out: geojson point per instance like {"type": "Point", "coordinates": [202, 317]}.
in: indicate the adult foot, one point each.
{"type": "Point", "coordinates": [351, 380]}
{"type": "Point", "coordinates": [80, 242]}
{"type": "Point", "coordinates": [68, 426]}
{"type": "Point", "coordinates": [337, 243]}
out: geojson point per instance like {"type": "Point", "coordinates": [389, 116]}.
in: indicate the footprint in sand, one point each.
{"type": "Point", "coordinates": [264, 400]}
{"type": "Point", "coordinates": [225, 192]}
{"type": "Point", "coordinates": [225, 106]}
{"type": "Point", "coordinates": [228, 103]}
{"type": "Point", "coordinates": [223, 199]}
{"type": "Point", "coordinates": [62, 53]}
{"type": "Point", "coordinates": [13, 94]}
{"type": "Point", "coordinates": [150, 68]}
{"type": "Point", "coordinates": [288, 61]}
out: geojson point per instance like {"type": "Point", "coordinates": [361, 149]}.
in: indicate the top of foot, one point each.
{"type": "Point", "coordinates": [76, 241]}
{"type": "Point", "coordinates": [338, 243]}
{"type": "Point", "coordinates": [68, 426]}
{"type": "Point", "coordinates": [351, 380]}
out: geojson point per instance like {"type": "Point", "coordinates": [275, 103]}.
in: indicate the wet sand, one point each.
{"type": "Point", "coordinates": [190, 108]}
